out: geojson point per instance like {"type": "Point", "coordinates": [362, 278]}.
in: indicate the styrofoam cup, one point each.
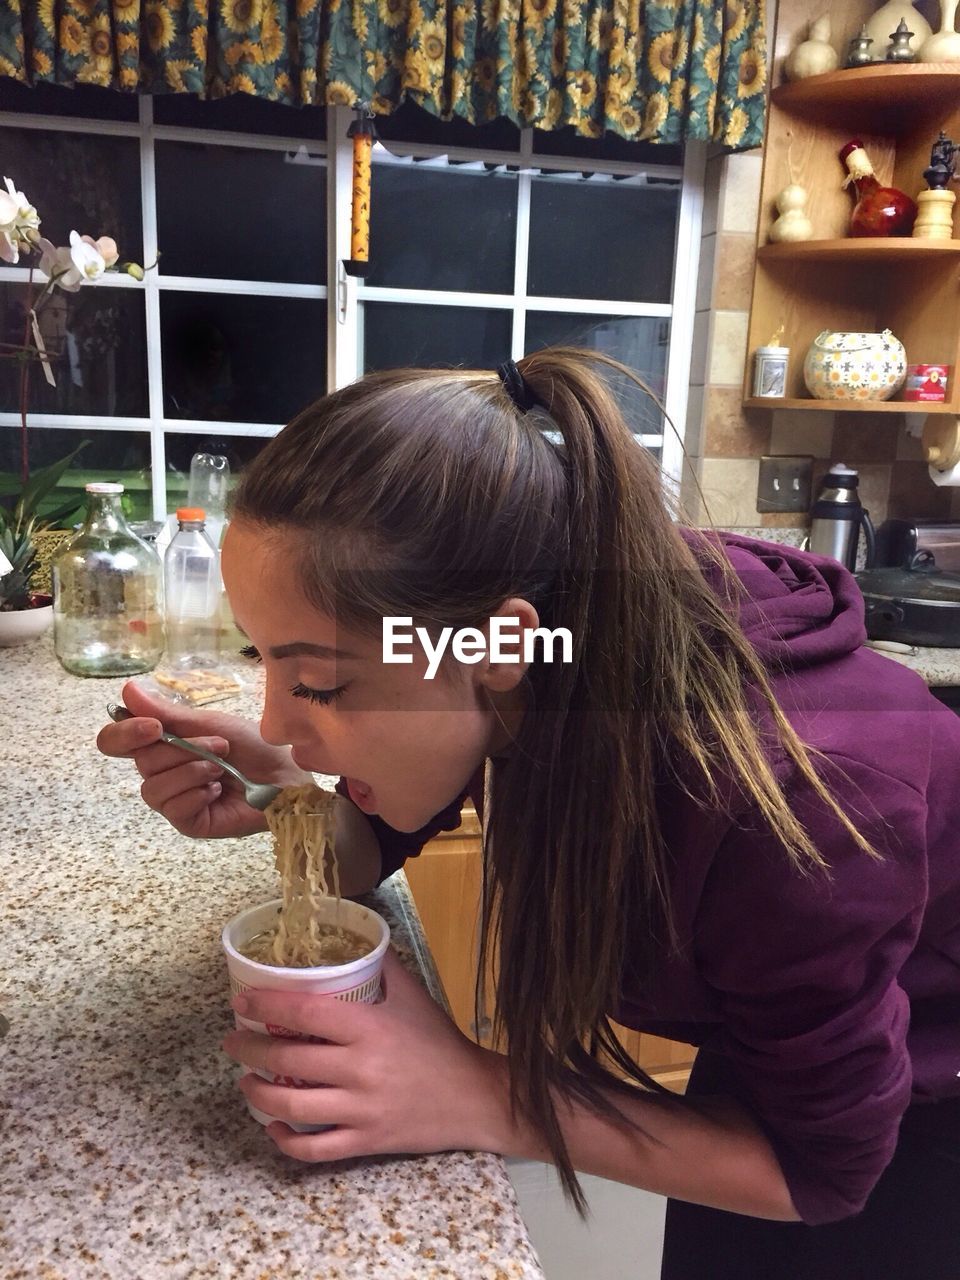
{"type": "Point", "coordinates": [357, 981]}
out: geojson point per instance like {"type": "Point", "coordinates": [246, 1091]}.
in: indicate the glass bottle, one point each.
{"type": "Point", "coordinates": [879, 211]}
{"type": "Point", "coordinates": [107, 594]}
{"type": "Point", "coordinates": [191, 579]}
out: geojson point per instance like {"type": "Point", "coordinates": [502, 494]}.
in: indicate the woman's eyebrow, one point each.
{"type": "Point", "coordinates": [316, 650]}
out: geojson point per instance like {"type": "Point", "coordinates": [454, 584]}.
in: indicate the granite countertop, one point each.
{"type": "Point", "coordinates": [129, 1151]}
{"type": "Point", "coordinates": [939, 667]}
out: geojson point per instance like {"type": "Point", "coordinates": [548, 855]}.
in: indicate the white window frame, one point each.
{"type": "Point", "coordinates": [344, 301]}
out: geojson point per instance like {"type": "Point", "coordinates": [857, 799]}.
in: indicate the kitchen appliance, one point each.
{"type": "Point", "coordinates": [899, 541]}
{"type": "Point", "coordinates": [837, 517]}
{"type": "Point", "coordinates": [912, 591]}
{"type": "Point", "coordinates": [915, 606]}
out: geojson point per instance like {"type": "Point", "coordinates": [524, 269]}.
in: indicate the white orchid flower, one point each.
{"type": "Point", "coordinates": [107, 247]}
{"type": "Point", "coordinates": [86, 257]}
{"type": "Point", "coordinates": [26, 219]}
{"type": "Point", "coordinates": [58, 265]}
{"type": "Point", "coordinates": [8, 211]}
{"type": "Point", "coordinates": [9, 248]}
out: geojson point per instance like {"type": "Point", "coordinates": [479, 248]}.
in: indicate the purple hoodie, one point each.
{"type": "Point", "coordinates": [832, 1002]}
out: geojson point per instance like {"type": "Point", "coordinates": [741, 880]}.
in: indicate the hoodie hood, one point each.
{"type": "Point", "coordinates": [797, 609]}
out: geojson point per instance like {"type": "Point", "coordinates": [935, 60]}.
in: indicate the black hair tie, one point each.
{"type": "Point", "coordinates": [518, 389]}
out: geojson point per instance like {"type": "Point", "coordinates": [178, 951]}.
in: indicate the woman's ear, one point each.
{"type": "Point", "coordinates": [509, 635]}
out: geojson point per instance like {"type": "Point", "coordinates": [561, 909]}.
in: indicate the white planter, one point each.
{"type": "Point", "coordinates": [22, 625]}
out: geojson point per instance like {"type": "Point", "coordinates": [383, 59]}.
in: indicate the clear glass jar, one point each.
{"type": "Point", "coordinates": [107, 594]}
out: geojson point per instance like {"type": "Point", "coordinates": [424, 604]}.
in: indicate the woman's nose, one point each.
{"type": "Point", "coordinates": [276, 723]}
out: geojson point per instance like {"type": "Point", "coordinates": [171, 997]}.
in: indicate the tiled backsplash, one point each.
{"type": "Point", "coordinates": [724, 441]}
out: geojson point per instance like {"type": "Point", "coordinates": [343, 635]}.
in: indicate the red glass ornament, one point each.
{"type": "Point", "coordinates": [879, 211]}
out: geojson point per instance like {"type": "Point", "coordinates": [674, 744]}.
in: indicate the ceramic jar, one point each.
{"type": "Point", "coordinates": [855, 366]}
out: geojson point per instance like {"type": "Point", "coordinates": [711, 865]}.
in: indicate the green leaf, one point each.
{"type": "Point", "coordinates": [41, 483]}
{"type": "Point", "coordinates": [52, 519]}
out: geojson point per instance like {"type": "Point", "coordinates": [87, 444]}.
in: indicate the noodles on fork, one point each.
{"type": "Point", "coordinates": [301, 820]}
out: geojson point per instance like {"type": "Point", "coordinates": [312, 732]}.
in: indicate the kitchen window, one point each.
{"type": "Point", "coordinates": [485, 243]}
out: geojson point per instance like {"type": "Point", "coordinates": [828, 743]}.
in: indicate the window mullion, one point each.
{"type": "Point", "coordinates": [343, 349]}
{"type": "Point", "coordinates": [521, 258]}
{"type": "Point", "coordinates": [686, 263]}
{"type": "Point", "coordinates": [148, 201]}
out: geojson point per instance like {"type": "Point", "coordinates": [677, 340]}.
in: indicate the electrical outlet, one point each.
{"type": "Point", "coordinates": [786, 483]}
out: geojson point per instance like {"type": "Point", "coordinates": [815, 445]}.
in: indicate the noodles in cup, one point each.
{"type": "Point", "coordinates": [301, 820]}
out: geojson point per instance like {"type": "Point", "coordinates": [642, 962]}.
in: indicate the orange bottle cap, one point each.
{"type": "Point", "coordinates": [191, 513]}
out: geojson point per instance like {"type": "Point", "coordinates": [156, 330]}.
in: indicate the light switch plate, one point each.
{"type": "Point", "coordinates": [786, 483]}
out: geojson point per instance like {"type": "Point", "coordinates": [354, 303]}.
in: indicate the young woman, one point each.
{"type": "Point", "coordinates": [722, 820]}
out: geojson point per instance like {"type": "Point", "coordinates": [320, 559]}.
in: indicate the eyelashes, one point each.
{"type": "Point", "coordinates": [323, 696]}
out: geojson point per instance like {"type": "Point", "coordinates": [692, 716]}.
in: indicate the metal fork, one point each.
{"type": "Point", "coordinates": [257, 794]}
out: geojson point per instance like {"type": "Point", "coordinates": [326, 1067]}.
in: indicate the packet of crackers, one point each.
{"type": "Point", "coordinates": [195, 686]}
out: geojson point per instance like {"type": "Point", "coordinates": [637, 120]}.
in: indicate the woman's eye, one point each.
{"type": "Point", "coordinates": [323, 696]}
{"type": "Point", "coordinates": [250, 651]}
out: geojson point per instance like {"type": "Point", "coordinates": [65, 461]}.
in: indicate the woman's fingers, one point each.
{"type": "Point", "coordinates": [176, 717]}
{"type": "Point", "coordinates": [321, 1064]}
{"type": "Point", "coordinates": [339, 1021]}
{"type": "Point", "coordinates": [296, 1105]}
{"type": "Point", "coordinates": [342, 1143]}
{"type": "Point", "coordinates": [159, 789]}
{"type": "Point", "coordinates": [165, 757]}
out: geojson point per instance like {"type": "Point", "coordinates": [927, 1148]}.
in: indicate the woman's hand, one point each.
{"type": "Point", "coordinates": [395, 1077]}
{"type": "Point", "coordinates": [185, 789]}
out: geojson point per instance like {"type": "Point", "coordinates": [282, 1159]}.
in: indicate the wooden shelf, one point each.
{"type": "Point", "coordinates": [837, 281]}
{"type": "Point", "coordinates": [848, 406]}
{"type": "Point", "coordinates": [896, 97]}
{"type": "Point", "coordinates": [867, 248]}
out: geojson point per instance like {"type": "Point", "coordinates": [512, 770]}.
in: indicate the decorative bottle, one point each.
{"type": "Point", "coordinates": [879, 211]}
{"type": "Point", "coordinates": [107, 594]}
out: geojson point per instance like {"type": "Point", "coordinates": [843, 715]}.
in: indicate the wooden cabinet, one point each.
{"type": "Point", "coordinates": [834, 282]}
{"type": "Point", "coordinates": [446, 882]}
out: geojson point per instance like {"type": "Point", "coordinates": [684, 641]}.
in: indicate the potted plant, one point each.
{"type": "Point", "coordinates": [25, 613]}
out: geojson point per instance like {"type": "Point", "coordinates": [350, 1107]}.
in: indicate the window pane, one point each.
{"type": "Point", "coordinates": [79, 182]}
{"type": "Point", "coordinates": [181, 446]}
{"type": "Point", "coordinates": [236, 358]}
{"type": "Point", "coordinates": [122, 456]}
{"type": "Point", "coordinates": [640, 342]}
{"type": "Point", "coordinates": [450, 228]}
{"type": "Point", "coordinates": [567, 142]}
{"type": "Point", "coordinates": [397, 336]}
{"type": "Point", "coordinates": [239, 113]}
{"type": "Point", "coordinates": [97, 339]}
{"type": "Point", "coordinates": [411, 123]}
{"type": "Point", "coordinates": [598, 238]}
{"type": "Point", "coordinates": [217, 214]}
{"type": "Point", "coordinates": [82, 100]}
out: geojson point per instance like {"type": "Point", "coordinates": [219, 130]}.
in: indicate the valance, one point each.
{"type": "Point", "coordinates": [663, 72]}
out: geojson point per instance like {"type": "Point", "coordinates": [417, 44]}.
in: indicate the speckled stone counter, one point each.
{"type": "Point", "coordinates": [127, 1152]}
{"type": "Point", "coordinates": [939, 667]}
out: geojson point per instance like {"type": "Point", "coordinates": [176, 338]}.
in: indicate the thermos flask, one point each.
{"type": "Point", "coordinates": [837, 517]}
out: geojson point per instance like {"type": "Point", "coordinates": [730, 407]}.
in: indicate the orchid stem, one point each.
{"type": "Point", "coordinates": [25, 386]}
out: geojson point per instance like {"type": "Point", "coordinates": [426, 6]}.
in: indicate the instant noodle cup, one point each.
{"type": "Point", "coordinates": [358, 981]}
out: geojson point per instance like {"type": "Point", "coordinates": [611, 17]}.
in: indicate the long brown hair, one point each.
{"type": "Point", "coordinates": [428, 493]}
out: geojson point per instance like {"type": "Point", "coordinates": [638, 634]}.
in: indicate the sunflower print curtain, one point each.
{"type": "Point", "coordinates": [661, 72]}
